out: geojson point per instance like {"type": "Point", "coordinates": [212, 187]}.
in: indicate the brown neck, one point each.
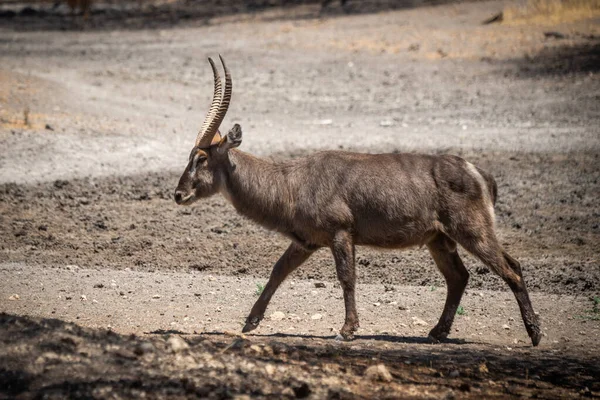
{"type": "Point", "coordinates": [258, 189]}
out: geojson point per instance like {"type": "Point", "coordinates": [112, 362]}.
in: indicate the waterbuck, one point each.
{"type": "Point", "coordinates": [340, 199]}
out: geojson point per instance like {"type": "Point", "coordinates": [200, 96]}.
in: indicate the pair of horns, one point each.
{"type": "Point", "coordinates": [218, 107]}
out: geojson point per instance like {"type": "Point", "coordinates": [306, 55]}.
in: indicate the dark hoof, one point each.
{"type": "Point", "coordinates": [437, 337]}
{"type": "Point", "coordinates": [433, 340]}
{"type": "Point", "coordinates": [536, 338]}
{"type": "Point", "coordinates": [251, 324]}
{"type": "Point", "coordinates": [344, 337]}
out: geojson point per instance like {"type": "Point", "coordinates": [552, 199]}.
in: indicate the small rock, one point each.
{"type": "Point", "coordinates": [277, 316]}
{"type": "Point", "coordinates": [386, 123]}
{"type": "Point", "coordinates": [377, 304]}
{"type": "Point", "coordinates": [319, 285]}
{"type": "Point", "coordinates": [156, 296]}
{"type": "Point", "coordinates": [378, 372]}
{"type": "Point", "coordinates": [555, 35]}
{"type": "Point", "coordinates": [143, 348]}
{"type": "Point", "coordinates": [483, 368]}
{"type": "Point", "coordinates": [256, 349]}
{"type": "Point", "coordinates": [418, 321]}
{"type": "Point", "coordinates": [125, 353]}
{"type": "Point", "coordinates": [83, 297]}
{"type": "Point", "coordinates": [505, 327]}
{"type": "Point", "coordinates": [316, 316]}
{"type": "Point", "coordinates": [454, 374]}
{"type": "Point", "coordinates": [288, 392]}
{"type": "Point", "coordinates": [49, 127]}
{"type": "Point", "coordinates": [14, 297]}
{"type": "Point", "coordinates": [177, 344]}
{"type": "Point", "coordinates": [302, 391]}
{"type": "Point", "coordinates": [270, 369]}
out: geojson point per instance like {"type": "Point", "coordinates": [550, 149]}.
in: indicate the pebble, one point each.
{"type": "Point", "coordinates": [319, 285]}
{"type": "Point", "coordinates": [270, 369]}
{"type": "Point", "coordinates": [256, 349]}
{"type": "Point", "coordinates": [143, 348]}
{"type": "Point", "coordinates": [83, 297]}
{"type": "Point", "coordinates": [177, 344]}
{"type": "Point", "coordinates": [483, 368]}
{"type": "Point", "coordinates": [505, 327]}
{"type": "Point", "coordinates": [14, 297]}
{"type": "Point", "coordinates": [378, 372]}
{"type": "Point", "coordinates": [418, 321]}
{"type": "Point", "coordinates": [454, 374]}
{"type": "Point", "coordinates": [316, 316]}
{"type": "Point", "coordinates": [156, 296]}
{"type": "Point", "coordinates": [277, 316]}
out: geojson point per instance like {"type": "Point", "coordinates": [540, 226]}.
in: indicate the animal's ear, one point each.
{"type": "Point", "coordinates": [232, 139]}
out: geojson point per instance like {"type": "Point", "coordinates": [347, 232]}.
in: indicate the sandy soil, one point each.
{"type": "Point", "coordinates": [103, 275]}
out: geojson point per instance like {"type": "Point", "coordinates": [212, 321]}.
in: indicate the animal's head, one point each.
{"type": "Point", "coordinates": [200, 178]}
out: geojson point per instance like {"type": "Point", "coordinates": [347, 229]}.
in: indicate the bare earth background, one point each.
{"type": "Point", "coordinates": [108, 289]}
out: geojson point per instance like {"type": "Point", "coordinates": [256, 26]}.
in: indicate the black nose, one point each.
{"type": "Point", "coordinates": [178, 196]}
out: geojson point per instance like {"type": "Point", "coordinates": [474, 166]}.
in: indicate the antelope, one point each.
{"type": "Point", "coordinates": [339, 200]}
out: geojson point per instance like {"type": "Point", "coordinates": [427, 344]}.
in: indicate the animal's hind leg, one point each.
{"type": "Point", "coordinates": [343, 253]}
{"type": "Point", "coordinates": [485, 246]}
{"type": "Point", "coordinates": [443, 251]}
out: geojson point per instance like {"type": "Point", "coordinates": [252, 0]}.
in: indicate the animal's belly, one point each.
{"type": "Point", "coordinates": [399, 235]}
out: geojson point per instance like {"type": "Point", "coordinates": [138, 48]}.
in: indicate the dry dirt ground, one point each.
{"type": "Point", "coordinates": [109, 290]}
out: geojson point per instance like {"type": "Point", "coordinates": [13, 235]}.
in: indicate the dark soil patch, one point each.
{"type": "Point", "coordinates": [86, 363]}
{"type": "Point", "coordinates": [547, 214]}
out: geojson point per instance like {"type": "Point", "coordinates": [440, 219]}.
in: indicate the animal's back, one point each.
{"type": "Point", "coordinates": [386, 200]}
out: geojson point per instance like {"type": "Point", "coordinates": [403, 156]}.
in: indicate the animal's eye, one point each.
{"type": "Point", "coordinates": [198, 160]}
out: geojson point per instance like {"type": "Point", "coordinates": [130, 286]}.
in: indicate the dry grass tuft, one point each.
{"type": "Point", "coordinates": [551, 11]}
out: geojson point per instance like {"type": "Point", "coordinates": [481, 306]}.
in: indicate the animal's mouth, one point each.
{"type": "Point", "coordinates": [183, 201]}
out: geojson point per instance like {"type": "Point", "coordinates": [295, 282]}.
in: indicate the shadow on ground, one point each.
{"type": "Point", "coordinates": [109, 15]}
{"type": "Point", "coordinates": [582, 58]}
{"type": "Point", "coordinates": [51, 358]}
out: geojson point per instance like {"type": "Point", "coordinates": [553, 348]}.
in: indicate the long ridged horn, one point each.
{"type": "Point", "coordinates": [223, 106]}
{"type": "Point", "coordinates": [204, 137]}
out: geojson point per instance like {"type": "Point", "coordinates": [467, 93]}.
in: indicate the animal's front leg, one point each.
{"type": "Point", "coordinates": [293, 257]}
{"type": "Point", "coordinates": [343, 253]}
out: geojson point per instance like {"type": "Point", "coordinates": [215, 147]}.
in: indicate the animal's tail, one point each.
{"type": "Point", "coordinates": [491, 184]}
